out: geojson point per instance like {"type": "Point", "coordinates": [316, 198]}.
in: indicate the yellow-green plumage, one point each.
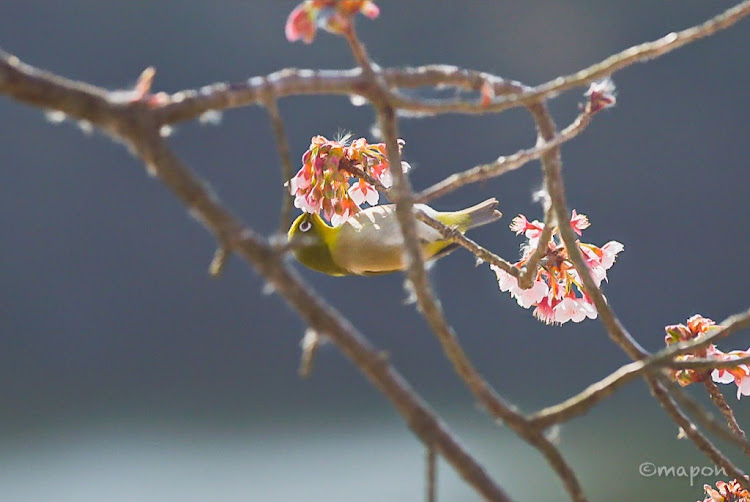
{"type": "Point", "coordinates": [370, 242]}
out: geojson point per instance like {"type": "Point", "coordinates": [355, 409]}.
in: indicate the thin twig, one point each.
{"type": "Point", "coordinates": [503, 164]}
{"type": "Point", "coordinates": [431, 475]}
{"type": "Point", "coordinates": [703, 416]}
{"type": "Point", "coordinates": [725, 328]}
{"type": "Point", "coordinates": [596, 392]}
{"type": "Point", "coordinates": [692, 432]}
{"type": "Point", "coordinates": [346, 165]}
{"type": "Point", "coordinates": [718, 399]}
{"type": "Point", "coordinates": [219, 261]}
{"type": "Point", "coordinates": [636, 54]}
{"type": "Point", "coordinates": [309, 344]}
{"type": "Point", "coordinates": [453, 234]}
{"type": "Point", "coordinates": [583, 401]}
{"type": "Point", "coordinates": [526, 279]}
{"type": "Point", "coordinates": [285, 159]}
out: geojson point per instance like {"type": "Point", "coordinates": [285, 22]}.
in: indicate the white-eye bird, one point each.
{"type": "Point", "coordinates": [370, 242]}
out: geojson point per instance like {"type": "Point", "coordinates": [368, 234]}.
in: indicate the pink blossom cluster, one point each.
{"type": "Point", "coordinates": [557, 290]}
{"type": "Point", "coordinates": [323, 183]}
{"type": "Point", "coordinates": [726, 492]}
{"type": "Point", "coordinates": [698, 326]}
{"type": "Point", "coordinates": [334, 16]}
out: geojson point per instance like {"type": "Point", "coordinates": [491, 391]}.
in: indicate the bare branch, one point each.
{"type": "Point", "coordinates": [135, 125]}
{"type": "Point", "coordinates": [582, 402]}
{"type": "Point", "coordinates": [718, 399]}
{"type": "Point", "coordinates": [504, 164]}
{"type": "Point", "coordinates": [704, 417]}
{"type": "Point", "coordinates": [135, 118]}
{"type": "Point", "coordinates": [692, 432]}
{"type": "Point", "coordinates": [189, 104]}
{"type": "Point", "coordinates": [285, 158]}
{"type": "Point", "coordinates": [431, 475]}
{"type": "Point", "coordinates": [320, 316]}
{"type": "Point", "coordinates": [623, 59]}
{"type": "Point", "coordinates": [699, 363]}
{"type": "Point", "coordinates": [453, 234]}
{"type": "Point", "coordinates": [526, 279]}
{"type": "Point", "coordinates": [552, 166]}
{"type": "Point", "coordinates": [404, 198]}
{"type": "Point", "coordinates": [596, 392]}
{"type": "Point", "coordinates": [725, 328]}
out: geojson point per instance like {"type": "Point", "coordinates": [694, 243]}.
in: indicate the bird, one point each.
{"type": "Point", "coordinates": [370, 241]}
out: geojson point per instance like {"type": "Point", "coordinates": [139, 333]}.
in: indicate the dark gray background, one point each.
{"type": "Point", "coordinates": [126, 373]}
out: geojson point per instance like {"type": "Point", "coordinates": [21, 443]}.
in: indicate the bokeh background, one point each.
{"type": "Point", "coordinates": [127, 374]}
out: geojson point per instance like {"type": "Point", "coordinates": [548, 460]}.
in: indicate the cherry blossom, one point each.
{"type": "Point", "coordinates": [334, 16]}
{"type": "Point", "coordinates": [726, 492]}
{"type": "Point", "coordinates": [324, 182]}
{"type": "Point", "coordinates": [697, 327]}
{"type": "Point", "coordinates": [556, 292]}
{"type": "Point", "coordinates": [738, 375]}
{"type": "Point", "coordinates": [601, 95]}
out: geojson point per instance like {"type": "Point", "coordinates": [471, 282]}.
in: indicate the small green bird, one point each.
{"type": "Point", "coordinates": [370, 242]}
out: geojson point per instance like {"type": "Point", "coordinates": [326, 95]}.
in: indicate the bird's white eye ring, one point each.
{"type": "Point", "coordinates": [305, 226]}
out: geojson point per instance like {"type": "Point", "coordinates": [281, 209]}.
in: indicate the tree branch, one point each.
{"type": "Point", "coordinates": [135, 124]}
{"type": "Point", "coordinates": [504, 164]}
{"type": "Point", "coordinates": [596, 392]}
{"type": "Point", "coordinates": [552, 167]}
{"type": "Point", "coordinates": [430, 307]}
{"type": "Point", "coordinates": [320, 316]}
{"type": "Point", "coordinates": [704, 417]}
{"type": "Point", "coordinates": [718, 399]}
{"type": "Point", "coordinates": [285, 159]}
{"type": "Point", "coordinates": [189, 104]}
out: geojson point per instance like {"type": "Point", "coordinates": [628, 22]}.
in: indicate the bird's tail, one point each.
{"type": "Point", "coordinates": [481, 214]}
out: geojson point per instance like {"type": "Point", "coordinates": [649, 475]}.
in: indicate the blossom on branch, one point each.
{"type": "Point", "coordinates": [324, 182]}
{"type": "Point", "coordinates": [601, 95]}
{"type": "Point", "coordinates": [696, 328]}
{"type": "Point", "coordinates": [334, 16]}
{"type": "Point", "coordinates": [556, 291]}
{"type": "Point", "coordinates": [726, 492]}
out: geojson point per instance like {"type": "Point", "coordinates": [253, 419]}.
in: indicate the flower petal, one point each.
{"type": "Point", "coordinates": [743, 387]}
{"type": "Point", "coordinates": [610, 252]}
{"type": "Point", "coordinates": [300, 24]}
{"type": "Point", "coordinates": [722, 376]}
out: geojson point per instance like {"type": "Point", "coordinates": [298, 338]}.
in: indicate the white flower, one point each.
{"type": "Point", "coordinates": [525, 297]}
{"type": "Point", "coordinates": [721, 376]}
{"type": "Point", "coordinates": [338, 219]}
{"type": "Point", "coordinates": [743, 387]}
{"type": "Point", "coordinates": [574, 309]}
{"type": "Point", "coordinates": [362, 192]}
{"type": "Point", "coordinates": [303, 202]}
{"type": "Point", "coordinates": [610, 249]}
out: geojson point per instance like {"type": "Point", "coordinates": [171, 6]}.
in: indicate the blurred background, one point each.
{"type": "Point", "coordinates": [128, 374]}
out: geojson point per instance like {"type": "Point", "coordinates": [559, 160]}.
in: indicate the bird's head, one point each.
{"type": "Point", "coordinates": [311, 239]}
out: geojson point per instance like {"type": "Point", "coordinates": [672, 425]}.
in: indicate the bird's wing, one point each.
{"type": "Point", "coordinates": [371, 241]}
